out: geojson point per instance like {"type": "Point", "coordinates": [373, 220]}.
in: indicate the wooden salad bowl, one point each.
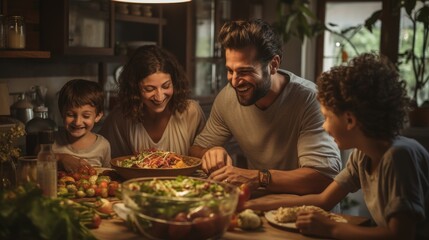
{"type": "Point", "coordinates": [134, 172]}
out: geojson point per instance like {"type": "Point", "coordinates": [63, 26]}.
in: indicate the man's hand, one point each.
{"type": "Point", "coordinates": [214, 159]}
{"type": "Point", "coordinates": [236, 176]}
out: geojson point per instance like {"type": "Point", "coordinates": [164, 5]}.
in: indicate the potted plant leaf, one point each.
{"type": "Point", "coordinates": [413, 56]}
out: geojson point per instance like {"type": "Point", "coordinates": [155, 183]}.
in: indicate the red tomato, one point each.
{"type": "Point", "coordinates": [97, 191]}
{"type": "Point", "coordinates": [234, 222]}
{"type": "Point", "coordinates": [61, 174]}
{"type": "Point", "coordinates": [112, 188]}
{"type": "Point", "coordinates": [96, 221]}
{"type": "Point", "coordinates": [92, 171]}
{"type": "Point", "coordinates": [83, 170]}
{"type": "Point", "coordinates": [76, 176]}
{"type": "Point", "coordinates": [243, 196]}
{"type": "Point", "coordinates": [203, 228]}
{"type": "Point", "coordinates": [179, 231]}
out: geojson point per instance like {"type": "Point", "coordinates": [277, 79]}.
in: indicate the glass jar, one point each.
{"type": "Point", "coordinates": [2, 31]}
{"type": "Point", "coordinates": [27, 169]}
{"type": "Point", "coordinates": [15, 32]}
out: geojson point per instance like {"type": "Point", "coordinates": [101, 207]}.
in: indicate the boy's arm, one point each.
{"type": "Point", "coordinates": [70, 163]}
{"type": "Point", "coordinates": [331, 196]}
{"type": "Point", "coordinates": [400, 226]}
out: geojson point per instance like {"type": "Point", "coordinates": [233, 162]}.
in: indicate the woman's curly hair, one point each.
{"type": "Point", "coordinates": [145, 61]}
{"type": "Point", "coordinates": [370, 87]}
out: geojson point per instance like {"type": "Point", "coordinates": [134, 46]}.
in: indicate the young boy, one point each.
{"type": "Point", "coordinates": [81, 104]}
{"type": "Point", "coordinates": [364, 104]}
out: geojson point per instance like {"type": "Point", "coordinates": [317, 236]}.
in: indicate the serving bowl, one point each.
{"type": "Point", "coordinates": [180, 207]}
{"type": "Point", "coordinates": [132, 172]}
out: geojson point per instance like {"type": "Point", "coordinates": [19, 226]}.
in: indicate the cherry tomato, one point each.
{"type": "Point", "coordinates": [179, 231]}
{"type": "Point", "coordinates": [243, 196]}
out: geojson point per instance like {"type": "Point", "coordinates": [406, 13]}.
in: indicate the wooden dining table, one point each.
{"type": "Point", "coordinates": [117, 229]}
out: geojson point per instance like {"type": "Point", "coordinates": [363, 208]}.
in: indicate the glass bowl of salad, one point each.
{"type": "Point", "coordinates": [179, 207]}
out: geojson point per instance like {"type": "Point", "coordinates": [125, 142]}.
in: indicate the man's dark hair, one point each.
{"type": "Point", "coordinates": [241, 34]}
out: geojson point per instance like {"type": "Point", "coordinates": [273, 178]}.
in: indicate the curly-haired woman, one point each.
{"type": "Point", "coordinates": [154, 109]}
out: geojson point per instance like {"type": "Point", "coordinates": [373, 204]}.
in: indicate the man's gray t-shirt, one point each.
{"type": "Point", "coordinates": [285, 136]}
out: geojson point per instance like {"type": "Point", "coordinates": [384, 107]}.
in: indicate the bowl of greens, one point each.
{"type": "Point", "coordinates": [179, 207]}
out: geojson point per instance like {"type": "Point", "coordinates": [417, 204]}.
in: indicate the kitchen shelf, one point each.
{"type": "Point", "coordinates": [24, 54]}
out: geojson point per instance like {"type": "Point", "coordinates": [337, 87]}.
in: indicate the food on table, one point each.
{"type": "Point", "coordinates": [243, 196]}
{"type": "Point", "coordinates": [152, 158]}
{"type": "Point", "coordinates": [180, 207]}
{"type": "Point", "coordinates": [26, 214]}
{"type": "Point", "coordinates": [248, 220]}
{"type": "Point", "coordinates": [86, 183]}
{"type": "Point", "coordinates": [289, 214]}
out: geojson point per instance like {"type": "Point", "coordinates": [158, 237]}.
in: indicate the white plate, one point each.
{"type": "Point", "coordinates": [270, 216]}
{"type": "Point", "coordinates": [271, 219]}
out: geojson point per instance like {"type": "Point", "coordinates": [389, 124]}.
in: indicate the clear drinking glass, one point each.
{"type": "Point", "coordinates": [27, 169]}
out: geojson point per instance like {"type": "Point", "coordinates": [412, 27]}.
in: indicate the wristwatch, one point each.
{"type": "Point", "coordinates": [264, 176]}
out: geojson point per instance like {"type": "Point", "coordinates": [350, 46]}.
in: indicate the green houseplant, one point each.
{"type": "Point", "coordinates": [416, 56]}
{"type": "Point", "coordinates": [8, 154]}
{"type": "Point", "coordinates": [295, 19]}
{"type": "Point", "coordinates": [413, 56]}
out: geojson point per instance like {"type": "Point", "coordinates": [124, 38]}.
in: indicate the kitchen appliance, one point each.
{"type": "Point", "coordinates": [22, 109]}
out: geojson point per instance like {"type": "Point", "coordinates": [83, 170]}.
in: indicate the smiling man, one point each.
{"type": "Point", "coordinates": [272, 113]}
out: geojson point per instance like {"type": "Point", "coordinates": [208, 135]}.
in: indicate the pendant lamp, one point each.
{"type": "Point", "coordinates": [152, 1]}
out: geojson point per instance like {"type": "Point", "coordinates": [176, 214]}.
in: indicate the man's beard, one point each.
{"type": "Point", "coordinates": [259, 91]}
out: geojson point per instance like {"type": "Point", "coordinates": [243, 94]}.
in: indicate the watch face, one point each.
{"type": "Point", "coordinates": [264, 178]}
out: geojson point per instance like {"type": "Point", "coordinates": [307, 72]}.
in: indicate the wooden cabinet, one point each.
{"type": "Point", "coordinates": [73, 27]}
{"type": "Point", "coordinates": [136, 29]}
{"type": "Point", "coordinates": [30, 10]}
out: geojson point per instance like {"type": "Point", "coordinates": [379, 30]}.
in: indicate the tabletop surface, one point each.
{"type": "Point", "coordinates": [117, 229]}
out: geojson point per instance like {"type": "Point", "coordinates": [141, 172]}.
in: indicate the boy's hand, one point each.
{"type": "Point", "coordinates": [71, 163]}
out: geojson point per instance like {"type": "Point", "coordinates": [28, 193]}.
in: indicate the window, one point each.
{"type": "Point", "coordinates": [347, 36]}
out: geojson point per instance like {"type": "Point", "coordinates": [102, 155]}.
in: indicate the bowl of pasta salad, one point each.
{"type": "Point", "coordinates": [179, 207]}
{"type": "Point", "coordinates": [155, 163]}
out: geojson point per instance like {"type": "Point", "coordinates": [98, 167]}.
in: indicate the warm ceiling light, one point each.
{"type": "Point", "coordinates": [152, 1]}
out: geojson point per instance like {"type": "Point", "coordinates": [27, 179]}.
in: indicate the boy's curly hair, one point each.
{"type": "Point", "coordinates": [145, 61]}
{"type": "Point", "coordinates": [370, 87]}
